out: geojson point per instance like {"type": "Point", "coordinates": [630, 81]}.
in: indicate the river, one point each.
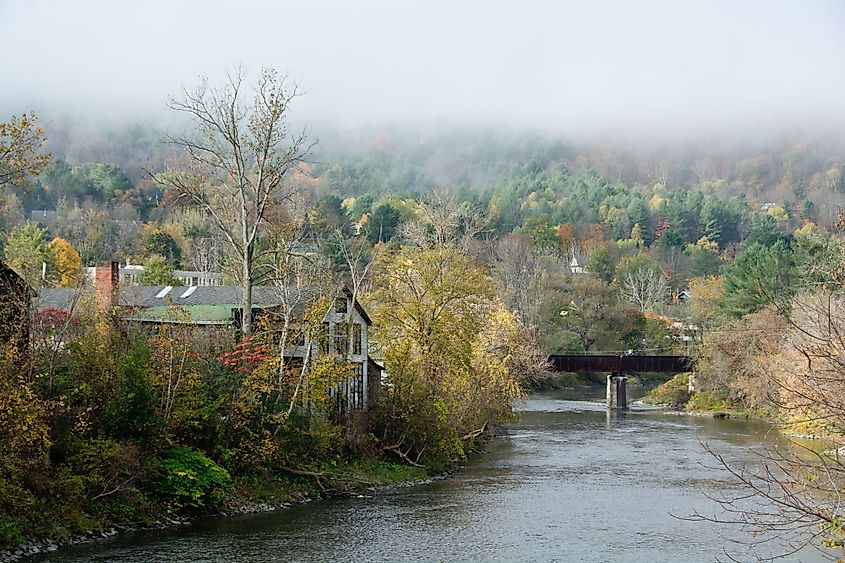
{"type": "Point", "coordinates": [568, 482]}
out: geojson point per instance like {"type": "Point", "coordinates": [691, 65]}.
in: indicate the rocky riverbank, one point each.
{"type": "Point", "coordinates": [230, 509]}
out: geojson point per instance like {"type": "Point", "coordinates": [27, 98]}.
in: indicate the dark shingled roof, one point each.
{"type": "Point", "coordinates": [199, 299]}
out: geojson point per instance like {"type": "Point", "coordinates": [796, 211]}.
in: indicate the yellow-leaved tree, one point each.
{"type": "Point", "coordinates": [21, 140]}
{"type": "Point", "coordinates": [705, 293]}
{"type": "Point", "coordinates": [67, 261]}
{"type": "Point", "coordinates": [448, 352]}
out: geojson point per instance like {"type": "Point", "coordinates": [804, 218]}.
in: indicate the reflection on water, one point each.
{"type": "Point", "coordinates": [570, 482]}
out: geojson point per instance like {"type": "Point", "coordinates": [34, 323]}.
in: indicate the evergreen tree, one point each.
{"type": "Point", "coordinates": [761, 275]}
{"type": "Point", "coordinates": [383, 223]}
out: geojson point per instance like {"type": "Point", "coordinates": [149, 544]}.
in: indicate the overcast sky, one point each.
{"type": "Point", "coordinates": [559, 65]}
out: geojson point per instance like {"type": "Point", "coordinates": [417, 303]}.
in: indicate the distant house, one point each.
{"type": "Point", "coordinates": [218, 308]}
{"type": "Point", "coordinates": [15, 297]}
{"type": "Point", "coordinates": [575, 267]}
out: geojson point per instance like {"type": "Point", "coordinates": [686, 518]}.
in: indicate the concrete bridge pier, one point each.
{"type": "Point", "coordinates": [617, 397]}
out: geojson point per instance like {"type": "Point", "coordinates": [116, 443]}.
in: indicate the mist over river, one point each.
{"type": "Point", "coordinates": [569, 482]}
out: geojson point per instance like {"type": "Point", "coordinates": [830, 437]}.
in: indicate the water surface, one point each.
{"type": "Point", "coordinates": [569, 482]}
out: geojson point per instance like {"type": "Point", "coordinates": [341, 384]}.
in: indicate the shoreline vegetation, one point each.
{"type": "Point", "coordinates": [360, 480]}
{"type": "Point", "coordinates": [118, 424]}
{"type": "Point", "coordinates": [674, 395]}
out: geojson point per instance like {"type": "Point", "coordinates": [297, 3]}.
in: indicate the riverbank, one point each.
{"type": "Point", "coordinates": [675, 396]}
{"type": "Point", "coordinates": [359, 479]}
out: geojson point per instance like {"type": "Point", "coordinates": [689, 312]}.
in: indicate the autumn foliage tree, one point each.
{"type": "Point", "coordinates": [449, 345]}
{"type": "Point", "coordinates": [67, 262]}
{"type": "Point", "coordinates": [26, 252]}
{"type": "Point", "coordinates": [21, 140]}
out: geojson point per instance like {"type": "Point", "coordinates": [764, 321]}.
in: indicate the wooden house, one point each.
{"type": "Point", "coordinates": [216, 310]}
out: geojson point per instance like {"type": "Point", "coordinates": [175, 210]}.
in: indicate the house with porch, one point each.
{"type": "Point", "coordinates": [217, 310]}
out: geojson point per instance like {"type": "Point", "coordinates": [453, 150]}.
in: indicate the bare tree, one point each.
{"type": "Point", "coordinates": [237, 163]}
{"type": "Point", "coordinates": [299, 279]}
{"type": "Point", "coordinates": [206, 251]}
{"type": "Point", "coordinates": [521, 276]}
{"type": "Point", "coordinates": [644, 288]}
{"type": "Point", "coordinates": [442, 220]}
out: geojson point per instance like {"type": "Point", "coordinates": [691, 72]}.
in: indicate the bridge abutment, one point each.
{"type": "Point", "coordinates": [617, 391]}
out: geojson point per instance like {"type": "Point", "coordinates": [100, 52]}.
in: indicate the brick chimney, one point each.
{"type": "Point", "coordinates": [107, 284]}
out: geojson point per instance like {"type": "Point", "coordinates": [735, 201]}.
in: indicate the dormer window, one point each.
{"type": "Point", "coordinates": [340, 305]}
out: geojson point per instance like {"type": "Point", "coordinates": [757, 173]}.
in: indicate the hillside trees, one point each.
{"type": "Point", "coordinates": [95, 181]}
{"type": "Point", "coordinates": [382, 223]}
{"type": "Point", "coordinates": [238, 162]}
{"type": "Point", "coordinates": [760, 275]}
{"type": "Point", "coordinates": [602, 264]}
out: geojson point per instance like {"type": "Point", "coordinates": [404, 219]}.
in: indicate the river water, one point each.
{"type": "Point", "coordinates": [568, 482]}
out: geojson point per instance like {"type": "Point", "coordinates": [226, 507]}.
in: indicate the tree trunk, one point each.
{"type": "Point", "coordinates": [246, 285]}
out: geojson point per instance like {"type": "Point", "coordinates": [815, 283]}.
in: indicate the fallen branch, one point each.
{"type": "Point", "coordinates": [403, 455]}
{"type": "Point", "coordinates": [475, 433]}
{"type": "Point", "coordinates": [116, 489]}
{"type": "Point", "coordinates": [303, 473]}
{"type": "Point", "coordinates": [397, 449]}
{"type": "Point", "coordinates": [333, 477]}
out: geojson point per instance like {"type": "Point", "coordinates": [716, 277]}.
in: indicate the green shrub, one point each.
{"type": "Point", "coordinates": [673, 392]}
{"type": "Point", "coordinates": [129, 411]}
{"type": "Point", "coordinates": [189, 479]}
{"type": "Point", "coordinates": [10, 531]}
{"type": "Point", "coordinates": [707, 401]}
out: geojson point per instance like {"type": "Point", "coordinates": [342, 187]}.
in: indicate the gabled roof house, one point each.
{"type": "Point", "coordinates": [343, 331]}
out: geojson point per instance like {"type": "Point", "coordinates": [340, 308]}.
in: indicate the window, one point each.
{"type": "Point", "coordinates": [355, 392]}
{"type": "Point", "coordinates": [341, 338]}
{"type": "Point", "coordinates": [356, 338]}
{"type": "Point", "coordinates": [324, 339]}
{"type": "Point", "coordinates": [340, 305]}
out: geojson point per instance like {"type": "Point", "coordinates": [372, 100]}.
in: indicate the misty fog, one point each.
{"type": "Point", "coordinates": [644, 70]}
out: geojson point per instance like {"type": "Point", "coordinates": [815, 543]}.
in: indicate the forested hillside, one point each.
{"type": "Point", "coordinates": [684, 211]}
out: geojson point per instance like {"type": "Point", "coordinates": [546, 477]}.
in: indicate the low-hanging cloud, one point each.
{"type": "Point", "coordinates": [645, 67]}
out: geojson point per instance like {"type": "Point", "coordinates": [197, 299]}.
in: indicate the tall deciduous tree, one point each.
{"type": "Point", "coordinates": [20, 144]}
{"type": "Point", "coordinates": [238, 162]}
{"type": "Point", "coordinates": [449, 347]}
